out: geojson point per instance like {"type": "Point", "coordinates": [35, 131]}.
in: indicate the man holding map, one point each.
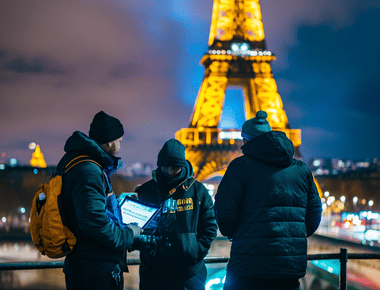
{"type": "Point", "coordinates": [172, 255]}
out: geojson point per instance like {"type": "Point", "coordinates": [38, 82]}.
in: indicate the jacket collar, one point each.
{"type": "Point", "coordinates": [78, 144]}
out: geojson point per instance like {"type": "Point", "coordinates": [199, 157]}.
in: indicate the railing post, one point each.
{"type": "Point", "coordinates": [343, 268]}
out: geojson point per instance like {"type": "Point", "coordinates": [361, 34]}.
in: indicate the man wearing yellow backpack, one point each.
{"type": "Point", "coordinates": [90, 209]}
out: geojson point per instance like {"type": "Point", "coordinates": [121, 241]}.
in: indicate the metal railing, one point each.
{"type": "Point", "coordinates": [343, 258]}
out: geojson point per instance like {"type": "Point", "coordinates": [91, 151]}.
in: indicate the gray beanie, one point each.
{"type": "Point", "coordinates": [256, 126]}
{"type": "Point", "coordinates": [105, 128]}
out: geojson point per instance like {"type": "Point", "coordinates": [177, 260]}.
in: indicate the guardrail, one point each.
{"type": "Point", "coordinates": [343, 258]}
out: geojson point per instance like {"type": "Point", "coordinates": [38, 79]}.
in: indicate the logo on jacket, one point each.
{"type": "Point", "coordinates": [185, 204]}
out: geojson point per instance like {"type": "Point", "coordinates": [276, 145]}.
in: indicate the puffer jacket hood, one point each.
{"type": "Point", "coordinates": [272, 148]}
{"type": "Point", "coordinates": [79, 143]}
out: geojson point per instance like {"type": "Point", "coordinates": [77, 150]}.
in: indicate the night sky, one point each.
{"type": "Point", "coordinates": [63, 61]}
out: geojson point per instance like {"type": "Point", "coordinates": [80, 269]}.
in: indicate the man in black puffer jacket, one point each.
{"type": "Point", "coordinates": [91, 211]}
{"type": "Point", "coordinates": [267, 203]}
{"type": "Point", "coordinates": [184, 229]}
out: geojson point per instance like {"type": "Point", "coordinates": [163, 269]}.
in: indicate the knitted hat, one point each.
{"type": "Point", "coordinates": [105, 128]}
{"type": "Point", "coordinates": [256, 126]}
{"type": "Point", "coordinates": [172, 154]}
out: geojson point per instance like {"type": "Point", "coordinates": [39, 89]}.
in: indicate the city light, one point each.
{"type": "Point", "coordinates": [13, 162]}
{"type": "Point", "coordinates": [234, 47]}
{"type": "Point", "coordinates": [326, 193]}
{"type": "Point", "coordinates": [363, 164]}
{"type": "Point", "coordinates": [210, 188]}
{"type": "Point", "coordinates": [370, 203]}
{"type": "Point", "coordinates": [355, 199]}
{"type": "Point", "coordinates": [213, 282]}
{"type": "Point", "coordinates": [32, 146]}
{"type": "Point", "coordinates": [230, 135]}
{"type": "Point", "coordinates": [335, 166]}
{"type": "Point", "coordinates": [343, 198]}
{"type": "Point", "coordinates": [244, 47]}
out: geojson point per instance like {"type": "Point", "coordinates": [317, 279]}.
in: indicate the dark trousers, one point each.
{"type": "Point", "coordinates": [88, 274]}
{"type": "Point", "coordinates": [155, 281]}
{"type": "Point", "coordinates": [243, 283]}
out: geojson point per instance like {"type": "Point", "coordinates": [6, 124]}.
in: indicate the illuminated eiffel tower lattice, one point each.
{"type": "Point", "coordinates": [237, 56]}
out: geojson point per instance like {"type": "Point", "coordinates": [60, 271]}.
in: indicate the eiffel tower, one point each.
{"type": "Point", "coordinates": [237, 56]}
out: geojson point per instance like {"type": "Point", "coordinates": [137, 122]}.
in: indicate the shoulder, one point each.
{"type": "Point", "coordinates": [84, 172]}
{"type": "Point", "coordinates": [199, 185]}
{"type": "Point", "coordinates": [241, 161]}
{"type": "Point", "coordinates": [86, 167]}
{"type": "Point", "coordinates": [239, 166]}
{"type": "Point", "coordinates": [146, 186]}
{"type": "Point", "coordinates": [201, 190]}
{"type": "Point", "coordinates": [301, 165]}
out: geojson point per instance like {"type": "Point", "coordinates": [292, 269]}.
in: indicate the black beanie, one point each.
{"type": "Point", "coordinates": [172, 154]}
{"type": "Point", "coordinates": [105, 128]}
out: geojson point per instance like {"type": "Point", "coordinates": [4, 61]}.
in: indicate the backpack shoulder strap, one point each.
{"type": "Point", "coordinates": [80, 159]}
{"type": "Point", "coordinates": [86, 158]}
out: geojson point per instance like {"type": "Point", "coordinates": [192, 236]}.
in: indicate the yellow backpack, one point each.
{"type": "Point", "coordinates": [51, 237]}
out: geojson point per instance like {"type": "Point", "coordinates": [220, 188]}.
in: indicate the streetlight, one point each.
{"type": "Point", "coordinates": [370, 203]}
{"type": "Point", "coordinates": [355, 201]}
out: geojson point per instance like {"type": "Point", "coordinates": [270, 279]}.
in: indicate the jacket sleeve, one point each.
{"type": "Point", "coordinates": [228, 198]}
{"type": "Point", "coordinates": [313, 209]}
{"type": "Point", "coordinates": [89, 200]}
{"type": "Point", "coordinates": [207, 227]}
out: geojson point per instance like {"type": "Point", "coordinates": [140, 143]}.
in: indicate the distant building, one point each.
{"type": "Point", "coordinates": [339, 166]}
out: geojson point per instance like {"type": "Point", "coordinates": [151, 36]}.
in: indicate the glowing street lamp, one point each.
{"type": "Point", "coordinates": [370, 203]}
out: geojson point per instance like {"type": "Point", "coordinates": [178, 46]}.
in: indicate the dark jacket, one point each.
{"type": "Point", "coordinates": [186, 225]}
{"type": "Point", "coordinates": [93, 217]}
{"type": "Point", "coordinates": [267, 202]}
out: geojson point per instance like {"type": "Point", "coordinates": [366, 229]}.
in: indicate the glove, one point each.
{"type": "Point", "coordinates": [136, 229]}
{"type": "Point", "coordinates": [146, 243]}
